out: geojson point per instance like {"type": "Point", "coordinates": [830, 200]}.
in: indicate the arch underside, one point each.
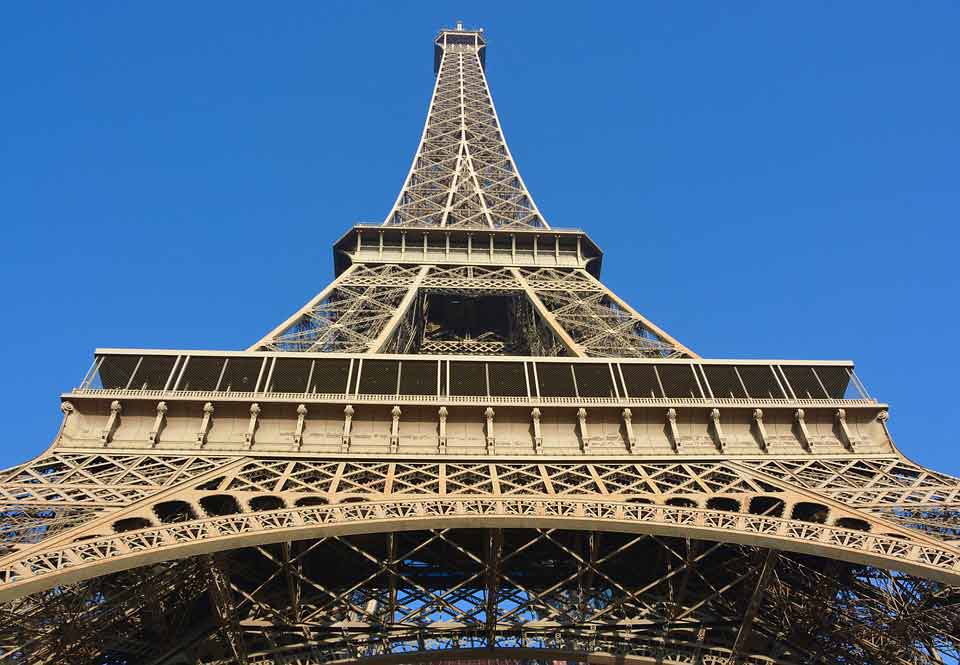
{"type": "Point", "coordinates": [259, 561]}
{"type": "Point", "coordinates": [529, 592]}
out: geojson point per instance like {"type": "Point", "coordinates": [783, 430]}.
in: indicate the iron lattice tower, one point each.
{"type": "Point", "coordinates": [466, 447]}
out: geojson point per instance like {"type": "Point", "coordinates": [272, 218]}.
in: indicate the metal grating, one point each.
{"type": "Point", "coordinates": [201, 373]}
{"type": "Point", "coordinates": [555, 380]}
{"type": "Point", "coordinates": [475, 377]}
{"type": "Point", "coordinates": [507, 379]}
{"type": "Point", "coordinates": [379, 377]}
{"type": "Point", "coordinates": [724, 381]}
{"type": "Point", "coordinates": [468, 378]}
{"type": "Point", "coordinates": [289, 375]}
{"type": "Point", "coordinates": [641, 380]}
{"type": "Point", "coordinates": [418, 377]}
{"type": "Point", "coordinates": [329, 376]}
{"type": "Point", "coordinates": [679, 381]}
{"type": "Point", "coordinates": [241, 374]}
{"type": "Point", "coordinates": [594, 381]}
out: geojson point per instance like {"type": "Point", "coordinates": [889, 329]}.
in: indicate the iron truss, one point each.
{"type": "Point", "coordinates": [463, 175]}
{"type": "Point", "coordinates": [528, 593]}
{"type": "Point", "coordinates": [379, 308]}
{"type": "Point", "coordinates": [323, 506]}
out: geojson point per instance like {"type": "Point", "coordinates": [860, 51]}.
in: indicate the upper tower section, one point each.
{"type": "Point", "coordinates": [459, 39]}
{"type": "Point", "coordinates": [463, 175]}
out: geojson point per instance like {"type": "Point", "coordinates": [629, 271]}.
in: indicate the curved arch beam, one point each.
{"type": "Point", "coordinates": [609, 652]}
{"type": "Point", "coordinates": [99, 556]}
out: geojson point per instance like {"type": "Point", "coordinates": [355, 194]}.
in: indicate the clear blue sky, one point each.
{"type": "Point", "coordinates": [768, 179]}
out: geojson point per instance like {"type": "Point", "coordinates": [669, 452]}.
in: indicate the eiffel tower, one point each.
{"type": "Point", "coordinates": [467, 448]}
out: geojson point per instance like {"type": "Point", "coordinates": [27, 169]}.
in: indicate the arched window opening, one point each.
{"type": "Point", "coordinates": [811, 512]}
{"type": "Point", "coordinates": [131, 524]}
{"type": "Point", "coordinates": [312, 501]}
{"type": "Point", "coordinates": [723, 503]}
{"type": "Point", "coordinates": [220, 504]}
{"type": "Point", "coordinates": [766, 505]}
{"type": "Point", "coordinates": [852, 523]}
{"type": "Point", "coordinates": [174, 511]}
{"type": "Point", "coordinates": [261, 503]}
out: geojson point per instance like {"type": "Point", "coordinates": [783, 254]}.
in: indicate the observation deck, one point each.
{"type": "Point", "coordinates": [390, 406]}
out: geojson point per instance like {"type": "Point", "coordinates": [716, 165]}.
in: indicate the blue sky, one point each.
{"type": "Point", "coordinates": [768, 180]}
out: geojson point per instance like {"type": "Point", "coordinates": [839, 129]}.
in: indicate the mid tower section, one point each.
{"type": "Point", "coordinates": [465, 263]}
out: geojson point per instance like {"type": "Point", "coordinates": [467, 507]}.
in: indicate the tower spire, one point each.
{"type": "Point", "coordinates": [463, 174]}
{"type": "Point", "coordinates": [465, 263]}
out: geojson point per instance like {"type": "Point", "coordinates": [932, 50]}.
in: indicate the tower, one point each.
{"type": "Point", "coordinates": [466, 447]}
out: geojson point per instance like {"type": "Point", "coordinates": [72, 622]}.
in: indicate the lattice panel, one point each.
{"type": "Point", "coordinates": [463, 175]}
{"type": "Point", "coordinates": [890, 481]}
{"type": "Point", "coordinates": [940, 522]}
{"type": "Point", "coordinates": [351, 315]}
{"type": "Point", "coordinates": [130, 617]}
{"type": "Point", "coordinates": [27, 525]}
{"type": "Point", "coordinates": [472, 280]}
{"type": "Point", "coordinates": [376, 479]}
{"type": "Point", "coordinates": [594, 319]}
{"type": "Point", "coordinates": [97, 479]}
{"type": "Point", "coordinates": [414, 593]}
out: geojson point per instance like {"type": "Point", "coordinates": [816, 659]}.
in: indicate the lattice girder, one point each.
{"type": "Point", "coordinates": [463, 174]}
{"type": "Point", "coordinates": [413, 593]}
{"type": "Point", "coordinates": [359, 307]}
{"type": "Point", "coordinates": [272, 500]}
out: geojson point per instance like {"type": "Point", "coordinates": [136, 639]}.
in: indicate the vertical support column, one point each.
{"type": "Point", "coordinates": [392, 579]}
{"type": "Point", "coordinates": [395, 413]}
{"type": "Point", "coordinates": [113, 421]}
{"type": "Point", "coordinates": [158, 423]}
{"type": "Point", "coordinates": [753, 607]}
{"type": "Point", "coordinates": [568, 342]}
{"type": "Point", "coordinates": [442, 413]}
{"type": "Point", "coordinates": [491, 438]}
{"type": "Point", "coordinates": [537, 433]}
{"type": "Point", "coordinates": [493, 555]}
{"type": "Point", "coordinates": [301, 420]}
{"type": "Point", "coordinates": [378, 344]}
{"type": "Point", "coordinates": [221, 598]}
{"type": "Point", "coordinates": [347, 424]}
{"type": "Point", "coordinates": [628, 426]}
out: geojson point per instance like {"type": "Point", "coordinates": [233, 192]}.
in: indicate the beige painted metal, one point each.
{"type": "Point", "coordinates": [179, 526]}
{"type": "Point", "coordinates": [310, 304]}
{"type": "Point", "coordinates": [568, 342]}
{"type": "Point", "coordinates": [646, 322]}
{"type": "Point", "coordinates": [390, 328]}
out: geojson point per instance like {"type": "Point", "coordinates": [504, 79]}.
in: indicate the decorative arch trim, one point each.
{"type": "Point", "coordinates": [122, 551]}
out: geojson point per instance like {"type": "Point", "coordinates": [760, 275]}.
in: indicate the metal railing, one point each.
{"type": "Point", "coordinates": [332, 377]}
